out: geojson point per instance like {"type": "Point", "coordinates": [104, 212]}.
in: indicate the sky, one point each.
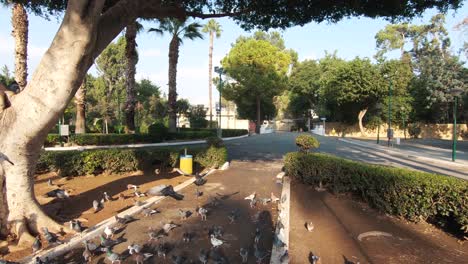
{"type": "Point", "coordinates": [349, 38]}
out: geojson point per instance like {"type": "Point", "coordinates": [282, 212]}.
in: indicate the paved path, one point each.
{"type": "Point", "coordinates": [271, 147]}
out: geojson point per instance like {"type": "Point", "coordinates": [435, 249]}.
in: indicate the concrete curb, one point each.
{"type": "Point", "coordinates": [404, 153]}
{"type": "Point", "coordinates": [82, 148]}
{"type": "Point", "coordinates": [98, 229]}
{"type": "Point", "coordinates": [282, 226]}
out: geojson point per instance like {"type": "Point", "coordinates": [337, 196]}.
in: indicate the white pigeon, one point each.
{"type": "Point", "coordinates": [251, 197]}
{"type": "Point", "coordinates": [274, 199]}
{"type": "Point", "coordinates": [309, 226]}
{"type": "Point", "coordinates": [134, 248]}
{"type": "Point", "coordinates": [215, 241]}
{"type": "Point", "coordinates": [109, 231]}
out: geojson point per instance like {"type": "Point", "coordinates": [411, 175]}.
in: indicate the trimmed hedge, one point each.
{"type": "Point", "coordinates": [119, 139]}
{"type": "Point", "coordinates": [74, 163]}
{"type": "Point", "coordinates": [306, 142]}
{"type": "Point", "coordinates": [411, 194]}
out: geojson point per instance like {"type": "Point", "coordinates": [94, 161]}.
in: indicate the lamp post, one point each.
{"type": "Point", "coordinates": [403, 114]}
{"type": "Point", "coordinates": [389, 130]}
{"type": "Point", "coordinates": [378, 106]}
{"type": "Point", "coordinates": [220, 71]}
{"type": "Point", "coordinates": [455, 92]}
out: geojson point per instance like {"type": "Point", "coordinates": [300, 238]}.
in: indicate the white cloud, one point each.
{"type": "Point", "coordinates": [158, 78]}
{"type": "Point", "coordinates": [151, 53]}
{"type": "Point", "coordinates": [6, 45]}
{"type": "Point", "coordinates": [192, 73]}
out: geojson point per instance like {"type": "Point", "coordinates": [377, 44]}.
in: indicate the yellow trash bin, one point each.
{"type": "Point", "coordinates": [186, 164]}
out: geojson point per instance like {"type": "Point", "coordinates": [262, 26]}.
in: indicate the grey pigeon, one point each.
{"type": "Point", "coordinates": [76, 225]}
{"type": "Point", "coordinates": [162, 250]}
{"type": "Point", "coordinates": [168, 227]}
{"type": "Point", "coordinates": [39, 261]}
{"type": "Point", "coordinates": [198, 193]}
{"type": "Point", "coordinates": [108, 243]}
{"type": "Point", "coordinates": [165, 190]}
{"type": "Point", "coordinates": [218, 258]}
{"type": "Point", "coordinates": [113, 257]}
{"type": "Point", "coordinates": [51, 238]}
{"type": "Point", "coordinates": [203, 213]}
{"type": "Point", "coordinates": [155, 235]}
{"type": "Point", "coordinates": [203, 256]}
{"type": "Point", "coordinates": [244, 253]}
{"type": "Point", "coordinates": [260, 254]}
{"type": "Point", "coordinates": [59, 193]}
{"type": "Point", "coordinates": [141, 257]}
{"type": "Point", "coordinates": [134, 248]}
{"type": "Point", "coordinates": [97, 206]}
{"type": "Point", "coordinates": [253, 202]}
{"type": "Point", "coordinates": [7, 262]}
{"type": "Point", "coordinates": [199, 181]}
{"type": "Point", "coordinates": [178, 259]}
{"type": "Point", "coordinates": [90, 245]}
{"type": "Point", "coordinates": [125, 219]}
{"type": "Point", "coordinates": [37, 245]}
{"type": "Point", "coordinates": [3, 157]}
{"type": "Point", "coordinates": [285, 257]}
{"type": "Point", "coordinates": [148, 212]}
{"type": "Point", "coordinates": [216, 242]}
{"type": "Point", "coordinates": [186, 237]}
{"type": "Point", "coordinates": [265, 200]}
{"type": "Point", "coordinates": [87, 254]}
{"type": "Point", "coordinates": [258, 235]}
{"type": "Point", "coordinates": [233, 215]}
{"type": "Point", "coordinates": [184, 214]}
{"type": "Point", "coordinates": [313, 258]}
{"type": "Point", "coordinates": [107, 197]}
{"type": "Point", "coordinates": [217, 231]}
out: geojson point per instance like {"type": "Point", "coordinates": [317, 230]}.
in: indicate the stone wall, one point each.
{"type": "Point", "coordinates": [437, 131]}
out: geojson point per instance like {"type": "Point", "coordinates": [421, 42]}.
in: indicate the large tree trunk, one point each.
{"type": "Point", "coordinates": [80, 102]}
{"type": "Point", "coordinates": [20, 24]}
{"type": "Point", "coordinates": [210, 77]}
{"type": "Point", "coordinates": [24, 125]}
{"type": "Point", "coordinates": [361, 115]}
{"type": "Point", "coordinates": [132, 59]}
{"type": "Point", "coordinates": [259, 121]}
{"type": "Point", "coordinates": [172, 98]}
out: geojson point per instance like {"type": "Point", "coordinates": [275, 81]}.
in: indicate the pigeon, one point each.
{"type": "Point", "coordinates": [157, 171]}
{"type": "Point", "coordinates": [313, 258]}
{"type": "Point", "coordinates": [260, 254]}
{"type": "Point", "coordinates": [168, 227]}
{"type": "Point", "coordinates": [216, 242]}
{"type": "Point", "coordinates": [90, 245]}
{"type": "Point", "coordinates": [109, 231]}
{"type": "Point", "coordinates": [148, 211]}
{"type": "Point", "coordinates": [217, 231]}
{"type": "Point", "coordinates": [251, 197]}
{"type": "Point", "coordinates": [124, 220]}
{"type": "Point", "coordinates": [7, 262]}
{"type": "Point", "coordinates": [165, 190]}
{"type": "Point", "coordinates": [134, 248]}
{"type": "Point", "coordinates": [285, 257]}
{"type": "Point", "coordinates": [203, 256]}
{"type": "Point", "coordinates": [51, 238]}
{"type": "Point", "coordinates": [214, 201]}
{"type": "Point", "coordinates": [186, 237]}
{"type": "Point", "coordinates": [87, 254]}
{"type": "Point", "coordinates": [155, 235]}
{"type": "Point", "coordinates": [39, 261]}
{"type": "Point", "coordinates": [184, 214]}
{"type": "Point", "coordinates": [244, 253]}
{"type": "Point", "coordinates": [199, 181]}
{"type": "Point", "coordinates": [108, 243]}
{"type": "Point", "coordinates": [202, 212]}
{"type": "Point", "coordinates": [3, 157]}
{"type": "Point", "coordinates": [162, 250]}
{"type": "Point", "coordinates": [178, 259]}
{"type": "Point", "coordinates": [132, 186]}
{"type": "Point", "coordinates": [218, 257]}
{"type": "Point", "coordinates": [59, 193]}
{"type": "Point", "coordinates": [97, 205]}
{"type": "Point", "coordinates": [273, 198]}
{"type": "Point", "coordinates": [309, 226]}
{"type": "Point", "coordinates": [76, 226]}
{"type": "Point", "coordinates": [140, 257]}
{"type": "Point", "coordinates": [37, 245]}
{"type": "Point", "coordinates": [258, 235]}
{"type": "Point", "coordinates": [265, 200]}
{"type": "Point", "coordinates": [113, 257]}
{"type": "Point", "coordinates": [107, 197]}
{"type": "Point", "coordinates": [49, 182]}
{"type": "Point", "coordinates": [198, 193]}
{"type": "Point", "coordinates": [139, 194]}
{"type": "Point", "coordinates": [253, 202]}
{"type": "Point", "coordinates": [233, 215]}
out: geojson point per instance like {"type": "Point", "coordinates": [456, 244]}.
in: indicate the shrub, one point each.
{"type": "Point", "coordinates": [215, 142]}
{"type": "Point", "coordinates": [158, 129]}
{"type": "Point", "coordinates": [73, 163]}
{"type": "Point", "coordinates": [411, 194]}
{"type": "Point", "coordinates": [414, 130]}
{"type": "Point", "coordinates": [306, 142]}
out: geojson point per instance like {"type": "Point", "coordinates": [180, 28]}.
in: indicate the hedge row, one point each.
{"type": "Point", "coordinates": [118, 139]}
{"type": "Point", "coordinates": [74, 163]}
{"type": "Point", "coordinates": [411, 194]}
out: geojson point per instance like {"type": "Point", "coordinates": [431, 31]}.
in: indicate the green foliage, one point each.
{"type": "Point", "coordinates": [307, 142]}
{"type": "Point", "coordinates": [6, 77]}
{"type": "Point", "coordinates": [215, 142]}
{"type": "Point", "coordinates": [411, 194]}
{"type": "Point", "coordinates": [75, 163]}
{"type": "Point", "coordinates": [158, 129]}
{"type": "Point", "coordinates": [213, 157]}
{"type": "Point", "coordinates": [197, 117]}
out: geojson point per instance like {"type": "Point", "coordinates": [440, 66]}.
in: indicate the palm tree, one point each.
{"type": "Point", "coordinates": [20, 23]}
{"type": "Point", "coordinates": [80, 102]}
{"type": "Point", "coordinates": [179, 30]}
{"type": "Point", "coordinates": [131, 55]}
{"type": "Point", "coordinates": [213, 28]}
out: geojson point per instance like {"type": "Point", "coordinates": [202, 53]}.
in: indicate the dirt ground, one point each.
{"type": "Point", "coordinates": [339, 220]}
{"type": "Point", "coordinates": [85, 189]}
{"type": "Point", "coordinates": [229, 188]}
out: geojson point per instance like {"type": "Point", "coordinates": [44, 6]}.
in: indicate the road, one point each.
{"type": "Point", "coordinates": [269, 147]}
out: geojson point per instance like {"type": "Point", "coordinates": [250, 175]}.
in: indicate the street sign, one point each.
{"type": "Point", "coordinates": [64, 130]}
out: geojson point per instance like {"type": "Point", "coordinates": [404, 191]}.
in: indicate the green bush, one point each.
{"type": "Point", "coordinates": [411, 194]}
{"type": "Point", "coordinates": [73, 163]}
{"type": "Point", "coordinates": [414, 130]}
{"type": "Point", "coordinates": [158, 129]}
{"type": "Point", "coordinates": [306, 142]}
{"type": "Point", "coordinates": [214, 141]}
